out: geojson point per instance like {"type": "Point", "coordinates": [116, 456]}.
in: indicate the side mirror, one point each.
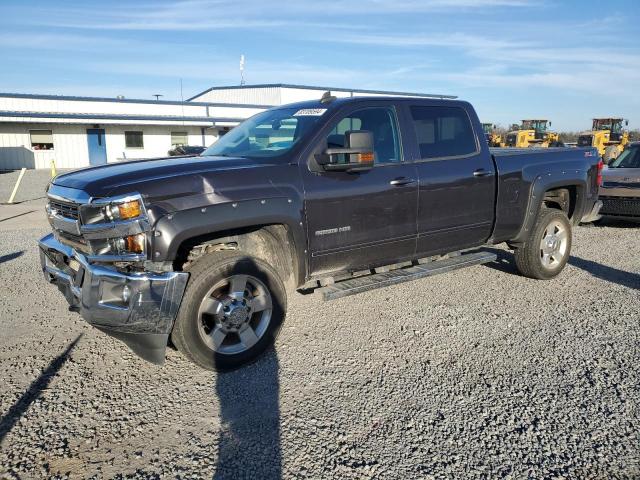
{"type": "Point", "coordinates": [356, 156]}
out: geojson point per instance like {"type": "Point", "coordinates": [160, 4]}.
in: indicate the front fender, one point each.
{"type": "Point", "coordinates": [172, 230]}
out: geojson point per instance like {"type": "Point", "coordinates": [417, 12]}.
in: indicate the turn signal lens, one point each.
{"type": "Point", "coordinates": [130, 209]}
{"type": "Point", "coordinates": [366, 157]}
{"type": "Point", "coordinates": [134, 243]}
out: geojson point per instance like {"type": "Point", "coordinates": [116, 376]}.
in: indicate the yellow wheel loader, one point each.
{"type": "Point", "coordinates": [533, 133]}
{"type": "Point", "coordinates": [494, 139]}
{"type": "Point", "coordinates": [608, 136]}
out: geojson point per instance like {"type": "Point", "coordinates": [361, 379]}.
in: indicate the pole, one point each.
{"type": "Point", "coordinates": [53, 168]}
{"type": "Point", "coordinates": [15, 188]}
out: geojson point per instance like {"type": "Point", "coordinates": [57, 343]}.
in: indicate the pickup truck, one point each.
{"type": "Point", "coordinates": [620, 189]}
{"type": "Point", "coordinates": [333, 195]}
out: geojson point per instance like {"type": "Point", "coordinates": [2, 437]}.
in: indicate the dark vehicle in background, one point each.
{"type": "Point", "coordinates": [308, 196]}
{"type": "Point", "coordinates": [184, 150]}
{"type": "Point", "coordinates": [620, 190]}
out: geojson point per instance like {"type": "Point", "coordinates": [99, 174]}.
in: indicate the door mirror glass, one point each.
{"type": "Point", "coordinates": [356, 155]}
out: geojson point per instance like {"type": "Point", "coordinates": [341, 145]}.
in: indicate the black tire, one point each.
{"type": "Point", "coordinates": [206, 272]}
{"type": "Point", "coordinates": [529, 257]}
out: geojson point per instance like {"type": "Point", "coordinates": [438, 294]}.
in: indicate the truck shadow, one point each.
{"type": "Point", "coordinates": [505, 263]}
{"type": "Point", "coordinates": [249, 443]}
{"type": "Point", "coordinates": [13, 415]}
{"type": "Point", "coordinates": [604, 272]}
{"type": "Point", "coordinates": [616, 223]}
{"type": "Point", "coordinates": [11, 256]}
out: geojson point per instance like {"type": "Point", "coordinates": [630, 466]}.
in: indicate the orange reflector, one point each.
{"type": "Point", "coordinates": [134, 243]}
{"type": "Point", "coordinates": [129, 209]}
{"type": "Point", "coordinates": [365, 157]}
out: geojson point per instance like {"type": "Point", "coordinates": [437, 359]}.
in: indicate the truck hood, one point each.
{"type": "Point", "coordinates": [126, 177]}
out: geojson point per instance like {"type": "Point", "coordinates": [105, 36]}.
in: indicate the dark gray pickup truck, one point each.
{"type": "Point", "coordinates": [336, 195]}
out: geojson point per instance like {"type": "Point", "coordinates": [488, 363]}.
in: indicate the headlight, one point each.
{"type": "Point", "coordinates": [107, 210]}
{"type": "Point", "coordinates": [123, 211]}
{"type": "Point", "coordinates": [130, 244]}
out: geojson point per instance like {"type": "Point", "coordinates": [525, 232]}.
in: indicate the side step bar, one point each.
{"type": "Point", "coordinates": [379, 280]}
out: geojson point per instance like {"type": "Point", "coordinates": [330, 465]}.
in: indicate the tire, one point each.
{"type": "Point", "coordinates": [610, 154]}
{"type": "Point", "coordinates": [218, 311]}
{"type": "Point", "coordinates": [544, 261]}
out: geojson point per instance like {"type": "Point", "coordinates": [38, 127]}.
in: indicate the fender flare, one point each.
{"type": "Point", "coordinates": [173, 229]}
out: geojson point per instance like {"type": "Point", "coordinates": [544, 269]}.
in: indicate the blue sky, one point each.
{"type": "Point", "coordinates": [566, 61]}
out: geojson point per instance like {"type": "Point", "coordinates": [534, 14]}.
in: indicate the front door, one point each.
{"type": "Point", "coordinates": [362, 220]}
{"type": "Point", "coordinates": [97, 146]}
{"type": "Point", "coordinates": [457, 179]}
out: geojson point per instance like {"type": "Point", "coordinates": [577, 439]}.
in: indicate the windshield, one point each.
{"type": "Point", "coordinates": [630, 158]}
{"type": "Point", "coordinates": [267, 134]}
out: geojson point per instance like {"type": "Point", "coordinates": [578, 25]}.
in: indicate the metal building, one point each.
{"type": "Point", "coordinates": [82, 131]}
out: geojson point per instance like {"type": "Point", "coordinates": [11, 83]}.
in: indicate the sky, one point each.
{"type": "Point", "coordinates": [567, 61]}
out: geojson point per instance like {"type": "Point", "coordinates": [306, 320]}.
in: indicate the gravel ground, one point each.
{"type": "Point", "coordinates": [478, 373]}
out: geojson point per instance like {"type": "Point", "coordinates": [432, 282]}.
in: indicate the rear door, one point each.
{"type": "Point", "coordinates": [365, 219]}
{"type": "Point", "coordinates": [456, 174]}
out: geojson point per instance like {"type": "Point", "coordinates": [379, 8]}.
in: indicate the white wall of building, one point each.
{"type": "Point", "coordinates": [242, 96]}
{"type": "Point", "coordinates": [70, 147]}
{"type": "Point", "coordinates": [156, 140]}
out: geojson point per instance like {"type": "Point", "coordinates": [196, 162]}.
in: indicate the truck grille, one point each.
{"type": "Point", "coordinates": [620, 206]}
{"type": "Point", "coordinates": [64, 209]}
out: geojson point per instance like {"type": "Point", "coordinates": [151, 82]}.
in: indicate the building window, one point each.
{"type": "Point", "coordinates": [41, 139]}
{"type": "Point", "coordinates": [179, 138]}
{"type": "Point", "coordinates": [133, 139]}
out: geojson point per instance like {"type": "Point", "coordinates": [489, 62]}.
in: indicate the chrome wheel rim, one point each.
{"type": "Point", "coordinates": [235, 314]}
{"type": "Point", "coordinates": [553, 246]}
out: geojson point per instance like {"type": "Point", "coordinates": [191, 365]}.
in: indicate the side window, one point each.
{"type": "Point", "coordinates": [379, 121]}
{"type": "Point", "coordinates": [443, 132]}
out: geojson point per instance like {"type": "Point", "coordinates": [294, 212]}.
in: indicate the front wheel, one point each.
{"type": "Point", "coordinates": [548, 247]}
{"type": "Point", "coordinates": [231, 312]}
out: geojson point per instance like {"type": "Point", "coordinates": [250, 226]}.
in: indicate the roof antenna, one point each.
{"type": "Point", "coordinates": [241, 69]}
{"type": "Point", "coordinates": [327, 97]}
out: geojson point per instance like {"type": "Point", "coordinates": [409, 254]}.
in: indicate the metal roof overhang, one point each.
{"type": "Point", "coordinates": [75, 118]}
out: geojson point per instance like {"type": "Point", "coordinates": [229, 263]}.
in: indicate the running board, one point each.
{"type": "Point", "coordinates": [385, 279]}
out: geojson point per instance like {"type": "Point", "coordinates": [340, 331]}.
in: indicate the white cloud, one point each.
{"type": "Point", "coordinates": [210, 15]}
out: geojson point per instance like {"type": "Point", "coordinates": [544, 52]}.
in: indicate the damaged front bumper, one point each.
{"type": "Point", "coordinates": [137, 308]}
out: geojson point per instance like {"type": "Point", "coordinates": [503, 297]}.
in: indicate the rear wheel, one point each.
{"type": "Point", "coordinates": [231, 312]}
{"type": "Point", "coordinates": [547, 249]}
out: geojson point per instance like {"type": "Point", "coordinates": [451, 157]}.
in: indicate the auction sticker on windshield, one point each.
{"type": "Point", "coordinates": [310, 112]}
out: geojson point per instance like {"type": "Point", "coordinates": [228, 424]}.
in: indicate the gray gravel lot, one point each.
{"type": "Point", "coordinates": [478, 373]}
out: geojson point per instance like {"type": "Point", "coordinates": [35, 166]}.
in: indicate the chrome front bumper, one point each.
{"type": "Point", "coordinates": [137, 308]}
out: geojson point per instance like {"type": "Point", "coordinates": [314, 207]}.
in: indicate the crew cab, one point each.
{"type": "Point", "coordinates": [334, 195]}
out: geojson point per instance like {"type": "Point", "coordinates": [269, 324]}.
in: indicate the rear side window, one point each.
{"type": "Point", "coordinates": [443, 132]}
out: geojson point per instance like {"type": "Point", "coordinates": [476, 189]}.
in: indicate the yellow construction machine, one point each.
{"type": "Point", "coordinates": [533, 133]}
{"type": "Point", "coordinates": [494, 139]}
{"type": "Point", "coordinates": [608, 136]}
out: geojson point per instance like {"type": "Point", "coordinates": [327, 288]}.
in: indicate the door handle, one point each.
{"type": "Point", "coordinates": [481, 172]}
{"type": "Point", "coordinates": [398, 182]}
